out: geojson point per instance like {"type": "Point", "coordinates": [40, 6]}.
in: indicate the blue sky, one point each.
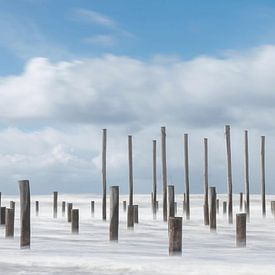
{"type": "Point", "coordinates": [71, 68]}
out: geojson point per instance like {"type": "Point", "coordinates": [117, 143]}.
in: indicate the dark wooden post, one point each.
{"type": "Point", "coordinates": [263, 174]}
{"type": "Point", "coordinates": [135, 213]}
{"type": "Point", "coordinates": [212, 192]}
{"type": "Point", "coordinates": [69, 211]}
{"type": "Point", "coordinates": [224, 207]}
{"type": "Point", "coordinates": [206, 205]}
{"type": "Point", "coordinates": [171, 201]}
{"type": "Point", "coordinates": [154, 176]}
{"type": "Point", "coordinates": [55, 194]}
{"type": "Point", "coordinates": [130, 216]}
{"type": "Point", "coordinates": [124, 206]}
{"type": "Point", "coordinates": [175, 235]}
{"type": "Point", "coordinates": [12, 204]}
{"type": "Point", "coordinates": [164, 171]}
{"type": "Point", "coordinates": [9, 232]}
{"type": "Point", "coordinates": [3, 215]}
{"type": "Point", "coordinates": [114, 213]}
{"type": "Point", "coordinates": [25, 239]}
{"type": "Point", "coordinates": [130, 159]}
{"type": "Point", "coordinates": [218, 205]}
{"type": "Point", "coordinates": [229, 173]}
{"type": "Point", "coordinates": [246, 173]}
{"type": "Point", "coordinates": [241, 230]}
{"type": "Point", "coordinates": [75, 220]}
{"type": "Point", "coordinates": [92, 208]}
{"type": "Point", "coordinates": [36, 208]}
{"type": "Point", "coordinates": [104, 180]}
{"type": "Point", "coordinates": [186, 167]}
{"type": "Point", "coordinates": [241, 201]}
{"type": "Point", "coordinates": [63, 208]}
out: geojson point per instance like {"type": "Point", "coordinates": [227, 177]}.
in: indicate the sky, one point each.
{"type": "Point", "coordinates": [71, 68]}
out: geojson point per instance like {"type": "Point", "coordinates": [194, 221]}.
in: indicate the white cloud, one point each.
{"type": "Point", "coordinates": [103, 40]}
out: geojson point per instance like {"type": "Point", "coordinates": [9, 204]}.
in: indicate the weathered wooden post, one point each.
{"type": "Point", "coordinates": [130, 216]}
{"type": "Point", "coordinates": [186, 168]}
{"type": "Point", "coordinates": [36, 208]}
{"type": "Point", "coordinates": [224, 207]}
{"type": "Point", "coordinates": [92, 208]}
{"type": "Point", "coordinates": [218, 205]}
{"type": "Point", "coordinates": [114, 213]}
{"type": "Point", "coordinates": [263, 174]}
{"type": "Point", "coordinates": [55, 194]}
{"type": "Point", "coordinates": [63, 208]}
{"type": "Point", "coordinates": [25, 238]}
{"type": "Point", "coordinates": [229, 173]}
{"type": "Point", "coordinates": [175, 235]}
{"type": "Point", "coordinates": [273, 208]}
{"type": "Point", "coordinates": [241, 201]}
{"type": "Point", "coordinates": [130, 160]}
{"type": "Point", "coordinates": [9, 232]}
{"type": "Point", "coordinates": [205, 205]}
{"type": "Point", "coordinates": [246, 173]}
{"type": "Point", "coordinates": [212, 192]}
{"type": "Point", "coordinates": [171, 201]}
{"type": "Point", "coordinates": [154, 176]}
{"type": "Point", "coordinates": [124, 206]}
{"type": "Point", "coordinates": [75, 220]}
{"type": "Point", "coordinates": [104, 180]}
{"type": "Point", "coordinates": [3, 215]}
{"type": "Point", "coordinates": [241, 230]}
{"type": "Point", "coordinates": [69, 211]}
{"type": "Point", "coordinates": [164, 171]}
{"type": "Point", "coordinates": [135, 213]}
{"type": "Point", "coordinates": [12, 204]}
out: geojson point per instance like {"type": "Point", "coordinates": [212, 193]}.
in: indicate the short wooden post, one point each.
{"type": "Point", "coordinates": [124, 206]}
{"type": "Point", "coordinates": [104, 179]}
{"type": "Point", "coordinates": [25, 238]}
{"type": "Point", "coordinates": [75, 220]}
{"type": "Point", "coordinates": [224, 207]}
{"type": "Point", "coordinates": [92, 208]}
{"type": "Point", "coordinates": [241, 201]}
{"type": "Point", "coordinates": [171, 201]}
{"type": "Point", "coordinates": [175, 235]}
{"type": "Point", "coordinates": [212, 192]}
{"type": "Point", "coordinates": [69, 211]}
{"type": "Point", "coordinates": [273, 207]}
{"type": "Point", "coordinates": [63, 208]}
{"type": "Point", "coordinates": [135, 213]}
{"type": "Point", "coordinates": [12, 204]}
{"type": "Point", "coordinates": [218, 206]}
{"type": "Point", "coordinates": [157, 205]}
{"type": "Point", "coordinates": [154, 193]}
{"type": "Point", "coordinates": [55, 194]}
{"type": "Point", "coordinates": [164, 172]}
{"type": "Point", "coordinates": [186, 174]}
{"type": "Point", "coordinates": [263, 174]}
{"type": "Point", "coordinates": [229, 174]}
{"type": "Point", "coordinates": [130, 216]}
{"type": "Point", "coordinates": [241, 230]}
{"type": "Point", "coordinates": [36, 208]}
{"type": "Point", "coordinates": [205, 205]}
{"type": "Point", "coordinates": [130, 162]}
{"type": "Point", "coordinates": [114, 213]}
{"type": "Point", "coordinates": [9, 232]}
{"type": "Point", "coordinates": [3, 215]}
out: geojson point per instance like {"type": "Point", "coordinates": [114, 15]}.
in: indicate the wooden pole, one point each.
{"type": "Point", "coordinates": [272, 207]}
{"type": "Point", "coordinates": [130, 216]}
{"type": "Point", "coordinates": [12, 204]}
{"type": "Point", "coordinates": [36, 208]}
{"type": "Point", "coordinates": [241, 201]}
{"type": "Point", "coordinates": [135, 213]}
{"type": "Point", "coordinates": [171, 201]}
{"type": "Point", "coordinates": [224, 207]}
{"type": "Point", "coordinates": [75, 220]}
{"type": "Point", "coordinates": [124, 206]}
{"type": "Point", "coordinates": [241, 230]}
{"type": "Point", "coordinates": [175, 235]}
{"type": "Point", "coordinates": [186, 167]}
{"type": "Point", "coordinates": [92, 208]}
{"type": "Point", "coordinates": [229, 173]}
{"type": "Point", "coordinates": [164, 171]}
{"type": "Point", "coordinates": [114, 213]}
{"type": "Point", "coordinates": [3, 215]}
{"type": "Point", "coordinates": [154, 176]}
{"type": "Point", "coordinates": [63, 208]}
{"type": "Point", "coordinates": [25, 215]}
{"type": "Point", "coordinates": [205, 205]}
{"type": "Point", "coordinates": [104, 180]}
{"type": "Point", "coordinates": [55, 194]}
{"type": "Point", "coordinates": [218, 205]}
{"type": "Point", "coordinates": [69, 211]}
{"type": "Point", "coordinates": [263, 174]}
{"type": "Point", "coordinates": [9, 232]}
{"type": "Point", "coordinates": [246, 173]}
{"type": "Point", "coordinates": [212, 192]}
{"type": "Point", "coordinates": [130, 159]}
{"type": "Point", "coordinates": [184, 202]}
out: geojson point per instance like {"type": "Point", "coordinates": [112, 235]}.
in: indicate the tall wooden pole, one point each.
{"type": "Point", "coordinates": [206, 206]}
{"type": "Point", "coordinates": [263, 174]}
{"type": "Point", "coordinates": [25, 215]}
{"type": "Point", "coordinates": [186, 167]}
{"type": "Point", "coordinates": [104, 180]}
{"type": "Point", "coordinates": [171, 201]}
{"type": "Point", "coordinates": [229, 173]}
{"type": "Point", "coordinates": [130, 159]}
{"type": "Point", "coordinates": [154, 174]}
{"type": "Point", "coordinates": [164, 171]}
{"type": "Point", "coordinates": [246, 173]}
